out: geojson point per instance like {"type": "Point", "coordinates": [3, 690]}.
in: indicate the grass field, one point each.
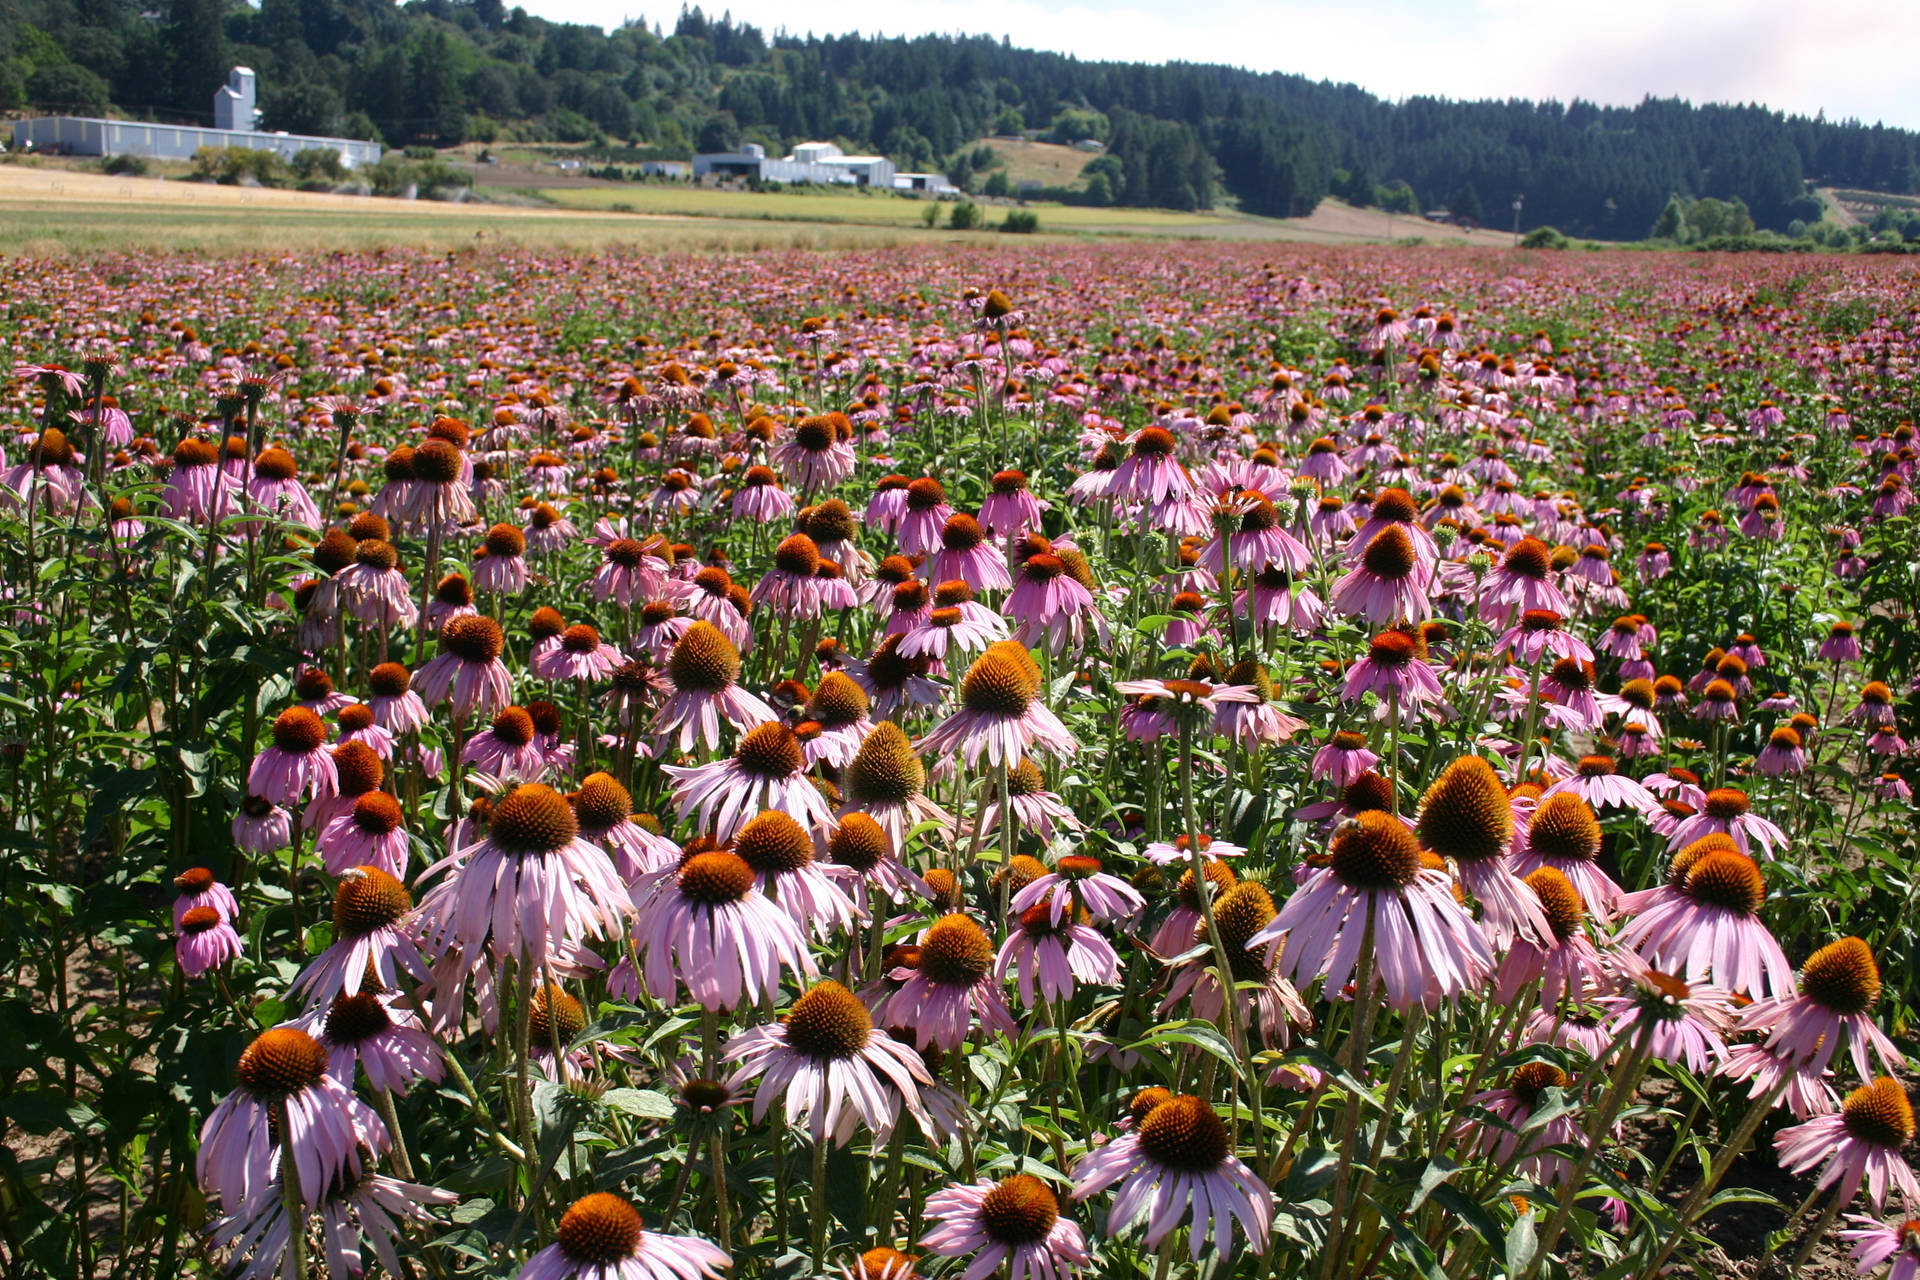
{"type": "Point", "coordinates": [49, 208]}
{"type": "Point", "coordinates": [877, 210]}
{"type": "Point", "coordinates": [1047, 163]}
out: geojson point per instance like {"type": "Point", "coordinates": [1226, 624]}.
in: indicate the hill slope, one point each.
{"type": "Point", "coordinates": [439, 72]}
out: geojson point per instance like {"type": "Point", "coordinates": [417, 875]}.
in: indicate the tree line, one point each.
{"type": "Point", "coordinates": [1178, 135]}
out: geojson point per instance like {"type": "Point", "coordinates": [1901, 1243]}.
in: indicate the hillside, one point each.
{"type": "Point", "coordinates": [1177, 136]}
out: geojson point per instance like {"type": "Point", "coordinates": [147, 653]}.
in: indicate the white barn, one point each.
{"type": "Point", "coordinates": [234, 115]}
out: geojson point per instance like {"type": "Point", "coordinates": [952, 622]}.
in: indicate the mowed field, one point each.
{"type": "Point", "coordinates": [53, 209]}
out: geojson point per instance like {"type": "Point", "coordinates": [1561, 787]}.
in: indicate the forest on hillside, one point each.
{"type": "Point", "coordinates": [441, 72]}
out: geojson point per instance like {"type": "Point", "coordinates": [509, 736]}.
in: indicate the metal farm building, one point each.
{"type": "Point", "coordinates": [233, 106]}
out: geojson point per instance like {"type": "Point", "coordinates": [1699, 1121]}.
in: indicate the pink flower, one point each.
{"type": "Point", "coordinates": [1425, 946]}
{"type": "Point", "coordinates": [703, 669]}
{"type": "Point", "coordinates": [1000, 713]}
{"type": "Point", "coordinates": [951, 987]}
{"type": "Point", "coordinates": [324, 1126]}
{"type": "Point", "coordinates": [1861, 1144]}
{"type": "Point", "coordinates": [705, 925]}
{"type": "Point", "coordinates": [298, 764]}
{"type": "Point", "coordinates": [206, 940]}
{"type": "Point", "coordinates": [599, 1238]}
{"type": "Point", "coordinates": [1179, 1166]}
{"type": "Point", "coordinates": [1014, 1223]}
{"type": "Point", "coordinates": [835, 1070]}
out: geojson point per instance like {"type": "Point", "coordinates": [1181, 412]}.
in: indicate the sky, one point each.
{"type": "Point", "coordinates": [1851, 58]}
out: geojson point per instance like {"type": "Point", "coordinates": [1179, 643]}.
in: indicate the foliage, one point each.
{"type": "Point", "coordinates": [963, 215]}
{"type": "Point", "coordinates": [1020, 222]}
{"type": "Point", "coordinates": [439, 72]}
{"type": "Point", "coordinates": [1544, 238]}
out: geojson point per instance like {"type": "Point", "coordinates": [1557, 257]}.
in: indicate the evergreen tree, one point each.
{"type": "Point", "coordinates": [194, 44]}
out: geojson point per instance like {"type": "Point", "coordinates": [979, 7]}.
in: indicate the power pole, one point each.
{"type": "Point", "coordinates": [1516, 220]}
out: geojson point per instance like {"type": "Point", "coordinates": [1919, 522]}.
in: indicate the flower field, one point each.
{"type": "Point", "coordinates": [1178, 760]}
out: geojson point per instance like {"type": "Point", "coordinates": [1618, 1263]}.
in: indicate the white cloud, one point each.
{"type": "Point", "coordinates": [1847, 57]}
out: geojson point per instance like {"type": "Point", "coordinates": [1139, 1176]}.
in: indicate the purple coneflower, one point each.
{"type": "Point", "coordinates": [198, 888]}
{"type": "Point", "coordinates": [1055, 951]}
{"type": "Point", "coordinates": [1077, 882]}
{"type": "Point", "coordinates": [1874, 1244]}
{"type": "Point", "coordinates": [887, 781]}
{"type": "Point", "coordinates": [817, 455]}
{"type": "Point", "coordinates": [605, 811]}
{"type": "Point", "coordinates": [1839, 986]}
{"type": "Point", "coordinates": [1708, 928]}
{"type": "Point", "coordinates": [966, 554]}
{"type": "Point", "coordinates": [1595, 781]}
{"type": "Point", "coordinates": [837, 713]}
{"type": "Point", "coordinates": [767, 770]}
{"type": "Point", "coordinates": [704, 669]}
{"type": "Point", "coordinates": [205, 939]}
{"type": "Point", "coordinates": [1013, 1224]}
{"type": "Point", "coordinates": [467, 669]}
{"type": "Point", "coordinates": [529, 890]}
{"type": "Point", "coordinates": [833, 1068]}
{"type": "Point", "coordinates": [1863, 1143]}
{"type": "Point", "coordinates": [1727, 809]}
{"type": "Point", "coordinates": [1425, 946]}
{"type": "Point", "coordinates": [371, 1028]}
{"type": "Point", "coordinates": [1010, 508]}
{"type": "Point", "coordinates": [1000, 712]}
{"type": "Point", "coordinates": [287, 1101]}
{"type": "Point", "coordinates": [780, 851]}
{"type": "Point", "coordinates": [1394, 672]}
{"type": "Point", "coordinates": [1343, 759]}
{"type": "Point", "coordinates": [370, 910]}
{"type": "Point", "coordinates": [260, 826]}
{"type": "Point", "coordinates": [371, 832]}
{"type": "Point", "coordinates": [1179, 1166]}
{"type": "Point", "coordinates": [1530, 1152]}
{"type": "Point", "coordinates": [503, 569]}
{"type": "Point", "coordinates": [705, 924]}
{"type": "Point", "coordinates": [949, 988]}
{"type": "Point", "coordinates": [1563, 833]}
{"type": "Point", "coordinates": [580, 655]}
{"type": "Point", "coordinates": [1389, 583]}
{"type": "Point", "coordinates": [396, 707]}
{"type": "Point", "coordinates": [297, 765]}
{"type": "Point", "coordinates": [600, 1238]}
{"type": "Point", "coordinates": [1466, 817]}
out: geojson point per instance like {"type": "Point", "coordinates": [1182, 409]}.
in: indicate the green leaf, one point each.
{"type": "Point", "coordinates": [649, 1104]}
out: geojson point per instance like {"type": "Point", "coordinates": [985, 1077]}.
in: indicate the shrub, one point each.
{"type": "Point", "coordinates": [318, 167]}
{"type": "Point", "coordinates": [1021, 222]}
{"type": "Point", "coordinates": [964, 216]}
{"type": "Point", "coordinates": [1544, 238]}
{"type": "Point", "coordinates": [126, 166]}
{"type": "Point", "coordinates": [232, 166]}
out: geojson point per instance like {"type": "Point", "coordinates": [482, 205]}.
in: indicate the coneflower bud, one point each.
{"type": "Point", "coordinates": [704, 660]}
{"type": "Point", "coordinates": [828, 1021]}
{"type": "Point", "coordinates": [955, 952]}
{"type": "Point", "coordinates": [1880, 1113]}
{"type": "Point", "coordinates": [599, 1231]}
{"type": "Point", "coordinates": [1184, 1134]}
{"type": "Point", "coordinates": [1842, 976]}
{"type": "Point", "coordinates": [1465, 814]}
{"type": "Point", "coordinates": [533, 819]}
{"type": "Point", "coordinates": [1564, 827]}
{"type": "Point", "coordinates": [773, 843]}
